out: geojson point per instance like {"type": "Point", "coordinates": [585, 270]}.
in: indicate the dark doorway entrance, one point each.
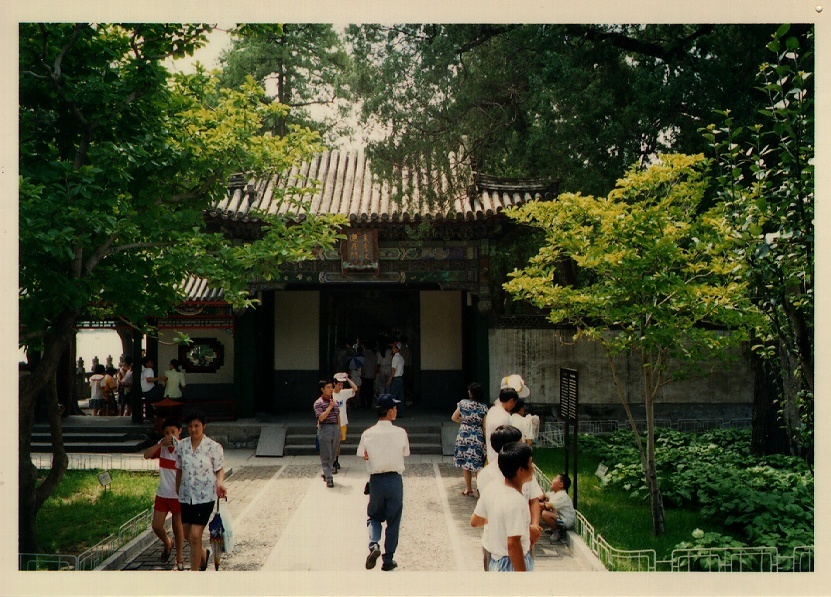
{"type": "Point", "coordinates": [376, 317]}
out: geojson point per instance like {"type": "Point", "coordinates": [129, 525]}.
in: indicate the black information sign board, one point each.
{"type": "Point", "coordinates": [568, 394]}
{"type": "Point", "coordinates": [568, 412]}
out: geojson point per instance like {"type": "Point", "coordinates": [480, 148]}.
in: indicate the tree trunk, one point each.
{"type": "Point", "coordinates": [768, 435]}
{"type": "Point", "coordinates": [41, 379]}
{"type": "Point", "coordinates": [67, 381]}
{"type": "Point", "coordinates": [651, 381]}
{"type": "Point", "coordinates": [656, 499]}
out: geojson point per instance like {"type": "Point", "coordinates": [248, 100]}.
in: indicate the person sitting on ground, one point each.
{"type": "Point", "coordinates": [491, 475]}
{"type": "Point", "coordinates": [504, 509]}
{"type": "Point", "coordinates": [167, 499]}
{"type": "Point", "coordinates": [557, 507]}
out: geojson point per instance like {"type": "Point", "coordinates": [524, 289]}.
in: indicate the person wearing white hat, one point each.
{"type": "Point", "coordinates": [516, 382]}
{"type": "Point", "coordinates": [342, 397]}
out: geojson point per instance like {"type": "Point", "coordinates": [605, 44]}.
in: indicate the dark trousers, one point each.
{"type": "Point", "coordinates": [397, 392]}
{"type": "Point", "coordinates": [155, 394]}
{"type": "Point", "coordinates": [386, 502]}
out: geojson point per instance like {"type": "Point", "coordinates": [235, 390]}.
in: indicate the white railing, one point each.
{"type": "Point", "coordinates": [99, 461]}
{"type": "Point", "coordinates": [46, 561]}
{"type": "Point", "coordinates": [95, 555]}
{"type": "Point", "coordinates": [724, 559]}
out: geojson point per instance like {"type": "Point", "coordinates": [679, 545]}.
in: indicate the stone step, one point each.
{"type": "Point", "coordinates": [91, 438]}
{"type": "Point", "coordinates": [113, 447]}
{"type": "Point", "coordinates": [350, 448]}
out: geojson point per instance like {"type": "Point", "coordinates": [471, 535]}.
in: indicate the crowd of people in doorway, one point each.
{"type": "Point", "coordinates": [379, 366]}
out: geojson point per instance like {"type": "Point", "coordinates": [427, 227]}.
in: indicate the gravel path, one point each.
{"type": "Point", "coordinates": [286, 519]}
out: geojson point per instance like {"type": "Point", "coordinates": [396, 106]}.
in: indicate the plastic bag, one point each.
{"type": "Point", "coordinates": [228, 528]}
{"type": "Point", "coordinates": [221, 528]}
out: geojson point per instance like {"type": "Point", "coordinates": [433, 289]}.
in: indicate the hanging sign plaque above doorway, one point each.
{"type": "Point", "coordinates": [359, 251]}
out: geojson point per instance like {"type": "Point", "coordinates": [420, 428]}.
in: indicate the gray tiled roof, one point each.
{"type": "Point", "coordinates": [197, 290]}
{"type": "Point", "coordinates": [348, 187]}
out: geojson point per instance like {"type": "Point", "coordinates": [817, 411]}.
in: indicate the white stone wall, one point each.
{"type": "Point", "coordinates": [538, 355]}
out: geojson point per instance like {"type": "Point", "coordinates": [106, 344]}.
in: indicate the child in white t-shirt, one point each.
{"type": "Point", "coordinates": [342, 397]}
{"type": "Point", "coordinates": [167, 498]}
{"type": "Point", "coordinates": [505, 510]}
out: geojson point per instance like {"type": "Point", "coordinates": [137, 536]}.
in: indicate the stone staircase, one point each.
{"type": "Point", "coordinates": [114, 436]}
{"type": "Point", "coordinates": [425, 437]}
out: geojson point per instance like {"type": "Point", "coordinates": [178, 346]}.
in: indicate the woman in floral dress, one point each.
{"type": "Point", "coordinates": [469, 454]}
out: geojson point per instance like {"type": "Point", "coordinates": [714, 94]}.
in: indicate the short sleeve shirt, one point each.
{"type": "Point", "coordinates": [507, 513]}
{"type": "Point", "coordinates": [167, 472]}
{"type": "Point", "coordinates": [564, 506]}
{"type": "Point", "coordinates": [199, 468]}
{"type": "Point", "coordinates": [321, 405]}
{"type": "Point", "coordinates": [146, 386]}
{"type": "Point", "coordinates": [341, 398]}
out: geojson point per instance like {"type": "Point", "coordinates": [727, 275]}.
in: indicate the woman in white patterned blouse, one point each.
{"type": "Point", "coordinates": [200, 480]}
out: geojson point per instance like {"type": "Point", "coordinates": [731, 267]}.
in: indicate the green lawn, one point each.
{"type": "Point", "coordinates": [81, 513]}
{"type": "Point", "coordinates": [625, 522]}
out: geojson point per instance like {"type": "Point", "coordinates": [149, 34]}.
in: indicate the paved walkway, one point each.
{"type": "Point", "coordinates": [286, 519]}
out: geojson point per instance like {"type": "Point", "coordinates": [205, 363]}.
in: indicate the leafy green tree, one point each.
{"type": "Point", "coordinates": [662, 280]}
{"type": "Point", "coordinates": [300, 65]}
{"type": "Point", "coordinates": [574, 103]}
{"type": "Point", "coordinates": [765, 173]}
{"type": "Point", "coordinates": [118, 164]}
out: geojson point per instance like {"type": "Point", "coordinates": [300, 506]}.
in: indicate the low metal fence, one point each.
{"type": "Point", "coordinates": [99, 461]}
{"type": "Point", "coordinates": [46, 561]}
{"type": "Point", "coordinates": [95, 555]}
{"type": "Point", "coordinates": [552, 432]}
{"type": "Point", "coordinates": [724, 559]}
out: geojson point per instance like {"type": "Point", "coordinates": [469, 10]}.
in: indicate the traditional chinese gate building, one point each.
{"type": "Point", "coordinates": [434, 290]}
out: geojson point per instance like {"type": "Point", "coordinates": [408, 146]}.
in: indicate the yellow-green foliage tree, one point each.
{"type": "Point", "coordinates": [660, 279]}
{"type": "Point", "coordinates": [118, 163]}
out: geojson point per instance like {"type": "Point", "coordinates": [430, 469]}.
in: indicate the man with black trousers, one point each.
{"type": "Point", "coordinates": [384, 446]}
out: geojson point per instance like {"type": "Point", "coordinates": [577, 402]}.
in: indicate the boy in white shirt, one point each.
{"type": "Point", "coordinates": [504, 509]}
{"type": "Point", "coordinates": [492, 475]}
{"type": "Point", "coordinates": [558, 509]}
{"type": "Point", "coordinates": [342, 398]}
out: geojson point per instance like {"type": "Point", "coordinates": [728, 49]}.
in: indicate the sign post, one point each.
{"type": "Point", "coordinates": [568, 411]}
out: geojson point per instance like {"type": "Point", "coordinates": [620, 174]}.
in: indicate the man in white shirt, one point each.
{"type": "Point", "coordinates": [384, 446]}
{"type": "Point", "coordinates": [499, 414]}
{"type": "Point", "coordinates": [395, 383]}
{"type": "Point", "coordinates": [151, 391]}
